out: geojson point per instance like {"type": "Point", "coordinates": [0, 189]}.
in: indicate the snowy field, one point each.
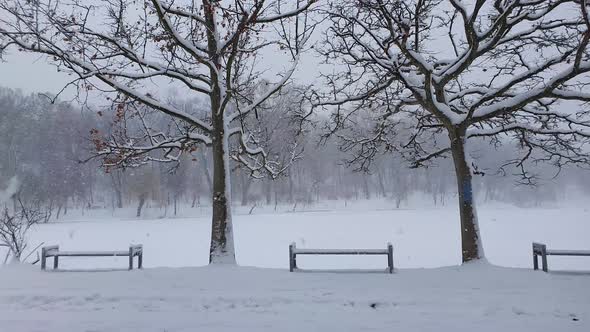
{"type": "Point", "coordinates": [265, 297]}
{"type": "Point", "coordinates": [426, 237]}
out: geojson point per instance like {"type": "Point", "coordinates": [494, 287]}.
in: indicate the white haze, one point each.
{"type": "Point", "coordinates": [10, 190]}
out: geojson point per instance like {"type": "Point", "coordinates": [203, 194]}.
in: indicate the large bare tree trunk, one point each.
{"type": "Point", "coordinates": [222, 242]}
{"type": "Point", "coordinates": [470, 235]}
{"type": "Point", "coordinates": [222, 247]}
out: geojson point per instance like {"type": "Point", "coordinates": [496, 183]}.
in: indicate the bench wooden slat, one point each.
{"type": "Point", "coordinates": [568, 252]}
{"type": "Point", "coordinates": [340, 251]}
{"type": "Point", "coordinates": [53, 251]}
{"type": "Point", "coordinates": [92, 253]}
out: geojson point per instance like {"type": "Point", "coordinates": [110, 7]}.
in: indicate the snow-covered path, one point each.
{"type": "Point", "coordinates": [470, 298]}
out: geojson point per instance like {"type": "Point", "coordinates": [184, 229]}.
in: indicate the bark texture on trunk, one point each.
{"type": "Point", "coordinates": [222, 243]}
{"type": "Point", "coordinates": [470, 235]}
{"type": "Point", "coordinates": [222, 249]}
{"type": "Point", "coordinates": [222, 246]}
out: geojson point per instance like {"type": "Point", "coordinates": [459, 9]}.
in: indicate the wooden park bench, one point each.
{"type": "Point", "coordinates": [540, 249]}
{"type": "Point", "coordinates": [53, 251]}
{"type": "Point", "coordinates": [293, 252]}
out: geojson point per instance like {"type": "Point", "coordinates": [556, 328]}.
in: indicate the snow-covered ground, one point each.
{"type": "Point", "coordinates": [471, 298]}
{"type": "Point", "coordinates": [170, 295]}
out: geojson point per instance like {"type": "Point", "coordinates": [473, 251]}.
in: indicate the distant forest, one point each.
{"type": "Point", "coordinates": [43, 145]}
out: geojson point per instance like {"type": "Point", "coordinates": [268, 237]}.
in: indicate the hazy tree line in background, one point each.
{"type": "Point", "coordinates": [42, 144]}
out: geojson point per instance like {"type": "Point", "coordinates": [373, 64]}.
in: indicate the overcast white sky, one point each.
{"type": "Point", "coordinates": [33, 73]}
{"type": "Point", "coordinates": [30, 73]}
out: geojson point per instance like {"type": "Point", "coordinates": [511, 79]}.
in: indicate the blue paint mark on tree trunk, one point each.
{"type": "Point", "coordinates": [467, 192]}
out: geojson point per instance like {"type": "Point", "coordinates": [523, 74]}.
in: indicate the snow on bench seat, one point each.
{"type": "Point", "coordinates": [568, 252]}
{"type": "Point", "coordinates": [93, 253]}
{"type": "Point", "coordinates": [341, 251]}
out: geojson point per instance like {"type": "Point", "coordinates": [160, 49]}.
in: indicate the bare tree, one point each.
{"type": "Point", "coordinates": [448, 71]}
{"type": "Point", "coordinates": [14, 226]}
{"type": "Point", "coordinates": [208, 48]}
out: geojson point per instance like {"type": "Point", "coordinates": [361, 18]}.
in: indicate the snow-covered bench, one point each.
{"type": "Point", "coordinates": [293, 252]}
{"type": "Point", "coordinates": [540, 249]}
{"type": "Point", "coordinates": [53, 251]}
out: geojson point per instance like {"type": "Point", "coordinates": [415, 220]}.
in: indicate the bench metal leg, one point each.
{"type": "Point", "coordinates": [536, 252]}
{"type": "Point", "coordinates": [43, 259]}
{"type": "Point", "coordinates": [292, 261]}
{"type": "Point", "coordinates": [544, 259]}
{"type": "Point", "coordinates": [140, 260]}
{"type": "Point", "coordinates": [390, 257]}
{"type": "Point", "coordinates": [130, 258]}
{"type": "Point", "coordinates": [540, 249]}
{"type": "Point", "coordinates": [55, 261]}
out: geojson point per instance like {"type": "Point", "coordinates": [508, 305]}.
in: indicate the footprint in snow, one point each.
{"type": "Point", "coordinates": [519, 311]}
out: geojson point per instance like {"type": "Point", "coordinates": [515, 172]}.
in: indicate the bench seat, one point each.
{"type": "Point", "coordinates": [93, 253]}
{"type": "Point", "coordinates": [294, 251]}
{"type": "Point", "coordinates": [568, 252]}
{"type": "Point", "coordinates": [540, 249]}
{"type": "Point", "coordinates": [342, 251]}
{"type": "Point", "coordinates": [53, 251]}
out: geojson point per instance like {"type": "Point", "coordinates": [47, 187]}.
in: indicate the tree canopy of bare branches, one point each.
{"type": "Point", "coordinates": [206, 48]}
{"type": "Point", "coordinates": [453, 70]}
